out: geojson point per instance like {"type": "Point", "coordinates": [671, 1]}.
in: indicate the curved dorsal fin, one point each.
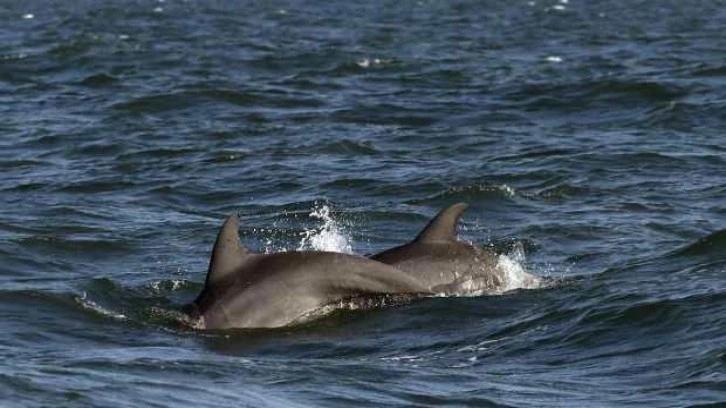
{"type": "Point", "coordinates": [228, 252]}
{"type": "Point", "coordinates": [443, 226]}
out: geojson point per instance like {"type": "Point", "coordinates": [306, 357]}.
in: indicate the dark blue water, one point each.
{"type": "Point", "coordinates": [588, 138]}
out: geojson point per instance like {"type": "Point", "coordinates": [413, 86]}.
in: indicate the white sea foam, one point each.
{"type": "Point", "coordinates": [89, 304]}
{"type": "Point", "coordinates": [508, 190]}
{"type": "Point", "coordinates": [481, 346]}
{"type": "Point", "coordinates": [402, 358]}
{"type": "Point", "coordinates": [372, 62]}
{"type": "Point", "coordinates": [329, 237]}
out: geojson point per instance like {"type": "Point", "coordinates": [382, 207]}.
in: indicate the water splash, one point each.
{"type": "Point", "coordinates": [514, 274]}
{"type": "Point", "coordinates": [330, 237]}
{"type": "Point", "coordinates": [508, 273]}
{"type": "Point", "coordinates": [167, 285]}
{"type": "Point", "coordinates": [270, 245]}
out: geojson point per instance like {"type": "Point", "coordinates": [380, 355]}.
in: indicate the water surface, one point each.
{"type": "Point", "coordinates": [587, 137]}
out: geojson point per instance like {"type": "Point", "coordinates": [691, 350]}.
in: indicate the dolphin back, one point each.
{"type": "Point", "coordinates": [247, 290]}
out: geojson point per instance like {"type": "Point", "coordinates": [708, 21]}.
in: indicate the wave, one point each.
{"type": "Point", "coordinates": [384, 114]}
{"type": "Point", "coordinates": [89, 304]}
{"type": "Point", "coordinates": [99, 80]}
{"type": "Point", "coordinates": [470, 193]}
{"type": "Point", "coordinates": [157, 302]}
{"type": "Point", "coordinates": [546, 96]}
{"type": "Point", "coordinates": [345, 147]}
{"type": "Point", "coordinates": [712, 244]}
{"type": "Point", "coordinates": [54, 243]}
{"type": "Point", "coordinates": [197, 96]}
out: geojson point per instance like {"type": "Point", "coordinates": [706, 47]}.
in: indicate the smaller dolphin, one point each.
{"type": "Point", "coordinates": [446, 265]}
{"type": "Point", "coordinates": [249, 290]}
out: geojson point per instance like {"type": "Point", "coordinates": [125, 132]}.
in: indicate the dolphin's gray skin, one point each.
{"type": "Point", "coordinates": [248, 290]}
{"type": "Point", "coordinates": [446, 265]}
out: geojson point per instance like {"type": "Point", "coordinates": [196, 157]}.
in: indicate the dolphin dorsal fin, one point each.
{"type": "Point", "coordinates": [443, 227]}
{"type": "Point", "coordinates": [228, 252]}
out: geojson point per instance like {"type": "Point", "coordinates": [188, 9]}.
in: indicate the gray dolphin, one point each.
{"type": "Point", "coordinates": [446, 265]}
{"type": "Point", "coordinates": [250, 290]}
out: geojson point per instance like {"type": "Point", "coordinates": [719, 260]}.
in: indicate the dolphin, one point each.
{"type": "Point", "coordinates": [251, 290]}
{"type": "Point", "coordinates": [446, 265]}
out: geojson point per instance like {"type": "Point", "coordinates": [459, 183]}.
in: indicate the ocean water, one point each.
{"type": "Point", "coordinates": [588, 138]}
